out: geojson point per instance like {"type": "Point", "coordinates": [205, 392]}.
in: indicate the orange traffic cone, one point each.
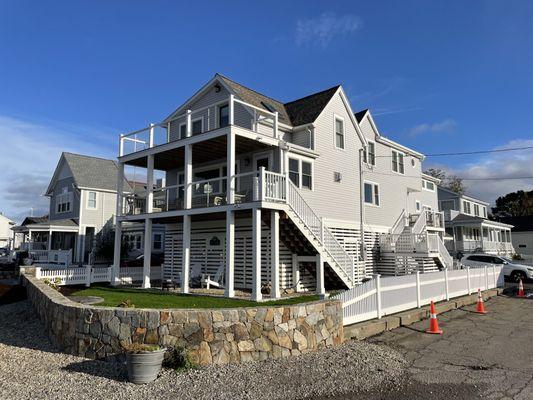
{"type": "Point", "coordinates": [480, 305]}
{"type": "Point", "coordinates": [433, 323]}
{"type": "Point", "coordinates": [521, 292]}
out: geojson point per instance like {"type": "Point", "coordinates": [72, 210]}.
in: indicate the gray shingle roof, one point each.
{"type": "Point", "coordinates": [298, 112]}
{"type": "Point", "coordinates": [93, 172]}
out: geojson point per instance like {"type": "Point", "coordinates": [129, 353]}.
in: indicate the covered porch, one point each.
{"type": "Point", "coordinates": [472, 234]}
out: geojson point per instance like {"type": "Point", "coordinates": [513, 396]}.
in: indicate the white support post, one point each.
{"type": "Point", "coordinates": [418, 291]}
{"type": "Point", "coordinates": [88, 277]}
{"type": "Point", "coordinates": [378, 295]}
{"type": "Point", "coordinates": [231, 167]}
{"type": "Point", "coordinates": [147, 252]}
{"type": "Point", "coordinates": [262, 182]}
{"type": "Point", "coordinates": [188, 124]}
{"type": "Point", "coordinates": [121, 145]}
{"type": "Point", "coordinates": [186, 264]}
{"type": "Point", "coordinates": [49, 240]}
{"type": "Point", "coordinates": [230, 254]}
{"type": "Point", "coordinates": [231, 109]}
{"type": "Point", "coordinates": [468, 280]}
{"type": "Point", "coordinates": [296, 273]}
{"type": "Point", "coordinates": [187, 204]}
{"type": "Point", "coordinates": [320, 287]}
{"type": "Point", "coordinates": [120, 189]}
{"type": "Point", "coordinates": [150, 184]}
{"type": "Point", "coordinates": [275, 125]}
{"type": "Point", "coordinates": [274, 256]}
{"type": "Point", "coordinates": [256, 254]}
{"type": "Point", "coordinates": [115, 273]}
{"type": "Point", "coordinates": [322, 231]}
{"type": "Point", "coordinates": [446, 284]}
{"type": "Point", "coordinates": [151, 136]}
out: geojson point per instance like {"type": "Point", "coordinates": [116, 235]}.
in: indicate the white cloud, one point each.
{"type": "Point", "coordinates": [321, 30]}
{"type": "Point", "coordinates": [445, 126]}
{"type": "Point", "coordinates": [515, 164]}
{"type": "Point", "coordinates": [28, 156]}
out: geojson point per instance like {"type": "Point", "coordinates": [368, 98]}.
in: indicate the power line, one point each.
{"type": "Point", "coordinates": [491, 178]}
{"type": "Point", "coordinates": [464, 153]}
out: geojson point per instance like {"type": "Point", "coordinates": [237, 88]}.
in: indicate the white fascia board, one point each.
{"type": "Point", "coordinates": [431, 178]}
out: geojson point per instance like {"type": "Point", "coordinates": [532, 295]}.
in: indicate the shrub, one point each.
{"type": "Point", "coordinates": [177, 358]}
{"type": "Point", "coordinates": [140, 347]}
{"type": "Point", "coordinates": [126, 304]}
{"type": "Point", "coordinates": [517, 257]}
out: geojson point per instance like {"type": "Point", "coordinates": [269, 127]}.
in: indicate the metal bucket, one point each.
{"type": "Point", "coordinates": [144, 367]}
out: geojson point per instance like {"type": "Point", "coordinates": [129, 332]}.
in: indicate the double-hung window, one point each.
{"type": "Point", "coordinates": [466, 207]}
{"type": "Point", "coordinates": [301, 173]}
{"type": "Point", "coordinates": [197, 126]}
{"type": "Point", "coordinates": [223, 116]}
{"type": "Point", "coordinates": [369, 155]}
{"type": "Point", "coordinates": [183, 131]}
{"type": "Point", "coordinates": [91, 200]}
{"type": "Point", "coordinates": [476, 210]}
{"type": "Point", "coordinates": [339, 133]}
{"type": "Point", "coordinates": [372, 193]}
{"type": "Point", "coordinates": [397, 162]}
{"type": "Point", "coordinates": [158, 241]}
{"type": "Point", "coordinates": [63, 201]}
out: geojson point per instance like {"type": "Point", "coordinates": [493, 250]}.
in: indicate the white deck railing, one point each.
{"type": "Point", "coordinates": [55, 257]}
{"type": "Point", "coordinates": [262, 122]}
{"type": "Point", "coordinates": [87, 275]}
{"type": "Point", "coordinates": [383, 296]}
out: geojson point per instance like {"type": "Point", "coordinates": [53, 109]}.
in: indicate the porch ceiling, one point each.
{"type": "Point", "coordinates": [202, 152]}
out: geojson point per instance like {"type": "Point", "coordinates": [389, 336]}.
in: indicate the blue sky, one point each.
{"type": "Point", "coordinates": [438, 76]}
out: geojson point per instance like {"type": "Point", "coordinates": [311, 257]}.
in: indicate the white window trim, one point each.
{"type": "Point", "coordinates": [367, 156]}
{"type": "Point", "coordinates": [307, 160]}
{"type": "Point", "coordinates": [398, 160]}
{"type": "Point", "coordinates": [218, 107]}
{"type": "Point", "coordinates": [335, 118]}
{"type": "Point", "coordinates": [95, 200]}
{"type": "Point", "coordinates": [198, 119]}
{"type": "Point", "coordinates": [463, 207]}
{"type": "Point", "coordinates": [424, 183]}
{"type": "Point", "coordinates": [373, 194]}
{"type": "Point", "coordinates": [179, 130]}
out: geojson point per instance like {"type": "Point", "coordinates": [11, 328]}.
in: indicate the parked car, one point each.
{"type": "Point", "coordinates": [511, 269]}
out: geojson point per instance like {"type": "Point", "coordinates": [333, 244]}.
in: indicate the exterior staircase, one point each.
{"type": "Point", "coordinates": [411, 243]}
{"type": "Point", "coordinates": [320, 238]}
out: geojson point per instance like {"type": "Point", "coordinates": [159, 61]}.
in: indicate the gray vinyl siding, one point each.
{"type": "Point", "coordinates": [74, 206]}
{"type": "Point", "coordinates": [302, 138]}
{"type": "Point", "coordinates": [102, 214]}
{"type": "Point", "coordinates": [209, 116]}
{"type": "Point", "coordinates": [393, 187]}
{"type": "Point", "coordinates": [330, 199]}
{"type": "Point", "coordinates": [427, 198]}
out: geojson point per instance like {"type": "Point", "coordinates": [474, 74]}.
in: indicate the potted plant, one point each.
{"type": "Point", "coordinates": [143, 362]}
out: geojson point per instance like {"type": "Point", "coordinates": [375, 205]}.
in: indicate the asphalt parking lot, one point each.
{"type": "Point", "coordinates": [478, 356]}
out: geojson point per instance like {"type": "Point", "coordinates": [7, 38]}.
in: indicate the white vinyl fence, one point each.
{"type": "Point", "coordinates": [388, 295]}
{"type": "Point", "coordinates": [87, 275]}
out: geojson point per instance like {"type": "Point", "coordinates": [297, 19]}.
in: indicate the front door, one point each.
{"type": "Point", "coordinates": [263, 160]}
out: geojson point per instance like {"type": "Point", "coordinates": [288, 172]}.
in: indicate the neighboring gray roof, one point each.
{"type": "Point", "coordinates": [63, 223]}
{"type": "Point", "coordinates": [464, 218]}
{"type": "Point", "coordinates": [93, 172]}
{"type": "Point", "coordinates": [298, 112]}
{"type": "Point", "coordinates": [360, 114]}
{"type": "Point", "coordinates": [34, 220]}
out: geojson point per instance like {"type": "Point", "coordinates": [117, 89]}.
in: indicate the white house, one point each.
{"type": "Point", "coordinates": [468, 226]}
{"type": "Point", "coordinates": [6, 235]}
{"type": "Point", "coordinates": [303, 194]}
{"type": "Point", "coordinates": [522, 238]}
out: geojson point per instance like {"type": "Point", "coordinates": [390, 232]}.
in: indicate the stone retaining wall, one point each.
{"type": "Point", "coordinates": [217, 336]}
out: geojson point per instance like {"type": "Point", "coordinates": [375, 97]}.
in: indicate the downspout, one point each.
{"type": "Point", "coordinates": [362, 205]}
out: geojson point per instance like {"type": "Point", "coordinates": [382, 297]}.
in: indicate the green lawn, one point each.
{"type": "Point", "coordinates": [158, 299]}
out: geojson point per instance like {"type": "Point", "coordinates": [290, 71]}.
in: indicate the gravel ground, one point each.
{"type": "Point", "coordinates": [30, 368]}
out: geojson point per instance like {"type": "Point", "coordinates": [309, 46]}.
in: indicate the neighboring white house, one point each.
{"type": "Point", "coordinates": [304, 194]}
{"type": "Point", "coordinates": [469, 228]}
{"type": "Point", "coordinates": [522, 233]}
{"type": "Point", "coordinates": [6, 235]}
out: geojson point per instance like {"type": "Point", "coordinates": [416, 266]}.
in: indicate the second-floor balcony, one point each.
{"type": "Point", "coordinates": [250, 187]}
{"type": "Point", "coordinates": [208, 120]}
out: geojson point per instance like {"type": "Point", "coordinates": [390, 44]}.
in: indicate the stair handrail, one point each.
{"type": "Point", "coordinates": [420, 223]}
{"type": "Point", "coordinates": [323, 235]}
{"type": "Point", "coordinates": [443, 251]}
{"type": "Point", "coordinates": [398, 226]}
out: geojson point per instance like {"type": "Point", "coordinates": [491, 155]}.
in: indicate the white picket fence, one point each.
{"type": "Point", "coordinates": [87, 275]}
{"type": "Point", "coordinates": [388, 295]}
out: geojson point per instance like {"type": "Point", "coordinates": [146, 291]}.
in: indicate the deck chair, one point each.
{"type": "Point", "coordinates": [217, 280]}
